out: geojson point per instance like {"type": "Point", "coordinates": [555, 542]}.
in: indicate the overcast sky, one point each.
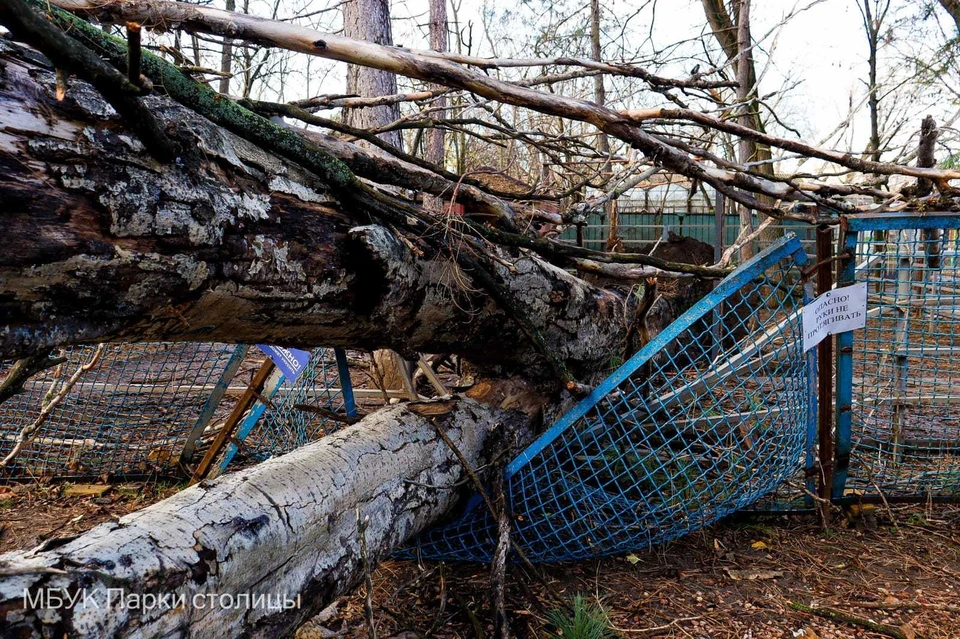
{"type": "Point", "coordinates": [822, 47]}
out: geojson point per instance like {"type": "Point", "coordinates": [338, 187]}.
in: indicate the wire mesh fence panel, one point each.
{"type": "Point", "coordinates": [715, 412]}
{"type": "Point", "coordinates": [302, 412]}
{"type": "Point", "coordinates": [131, 414]}
{"type": "Point", "coordinates": [128, 415]}
{"type": "Point", "coordinates": [898, 379]}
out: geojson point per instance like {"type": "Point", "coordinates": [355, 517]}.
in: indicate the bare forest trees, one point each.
{"type": "Point", "coordinates": [731, 28]}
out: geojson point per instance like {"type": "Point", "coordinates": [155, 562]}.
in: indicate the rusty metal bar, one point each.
{"type": "Point", "coordinates": [825, 378]}
{"type": "Point", "coordinates": [243, 404]}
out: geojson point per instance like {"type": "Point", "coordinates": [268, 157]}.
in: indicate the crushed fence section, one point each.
{"type": "Point", "coordinates": [898, 380]}
{"type": "Point", "coordinates": [713, 413]}
{"type": "Point", "coordinates": [142, 406]}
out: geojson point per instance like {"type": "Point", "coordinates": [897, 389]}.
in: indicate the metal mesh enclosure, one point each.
{"type": "Point", "coordinates": [131, 414]}
{"type": "Point", "coordinates": [128, 415]}
{"type": "Point", "coordinates": [709, 416]}
{"type": "Point", "coordinates": [898, 380]}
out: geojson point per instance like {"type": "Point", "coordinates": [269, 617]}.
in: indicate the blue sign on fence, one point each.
{"type": "Point", "coordinates": [291, 361]}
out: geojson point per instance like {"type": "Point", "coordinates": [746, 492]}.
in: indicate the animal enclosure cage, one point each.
{"type": "Point", "coordinates": [135, 410]}
{"type": "Point", "coordinates": [715, 414]}
{"type": "Point", "coordinates": [638, 225]}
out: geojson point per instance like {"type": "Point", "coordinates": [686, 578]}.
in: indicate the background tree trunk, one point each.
{"type": "Point", "coordinates": [370, 20]}
{"type": "Point", "coordinates": [436, 137]}
{"type": "Point", "coordinates": [603, 141]}
{"type": "Point", "coordinates": [737, 43]}
{"type": "Point", "coordinates": [226, 57]}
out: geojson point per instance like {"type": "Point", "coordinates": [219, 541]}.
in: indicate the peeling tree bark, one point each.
{"type": "Point", "coordinates": [285, 528]}
{"type": "Point", "coordinates": [230, 243]}
{"type": "Point", "coordinates": [233, 244]}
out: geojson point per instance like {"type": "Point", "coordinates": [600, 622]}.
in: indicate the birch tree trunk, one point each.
{"type": "Point", "coordinates": [203, 562]}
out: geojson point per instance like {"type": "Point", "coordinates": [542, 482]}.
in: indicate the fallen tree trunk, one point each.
{"type": "Point", "coordinates": [201, 563]}
{"type": "Point", "coordinates": [231, 243]}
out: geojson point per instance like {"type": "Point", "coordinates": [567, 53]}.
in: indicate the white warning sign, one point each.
{"type": "Point", "coordinates": [837, 311]}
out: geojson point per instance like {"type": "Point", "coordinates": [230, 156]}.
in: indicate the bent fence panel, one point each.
{"type": "Point", "coordinates": [712, 414]}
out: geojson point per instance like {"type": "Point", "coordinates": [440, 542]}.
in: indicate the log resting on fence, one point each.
{"type": "Point", "coordinates": [287, 528]}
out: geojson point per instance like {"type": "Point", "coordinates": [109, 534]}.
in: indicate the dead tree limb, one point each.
{"type": "Point", "coordinates": [236, 244]}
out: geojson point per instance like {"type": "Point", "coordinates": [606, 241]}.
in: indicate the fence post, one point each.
{"type": "Point", "coordinates": [212, 403]}
{"type": "Point", "coordinates": [718, 213]}
{"type": "Point", "coordinates": [825, 377]}
{"type": "Point", "coordinates": [844, 360]}
{"type": "Point", "coordinates": [346, 384]}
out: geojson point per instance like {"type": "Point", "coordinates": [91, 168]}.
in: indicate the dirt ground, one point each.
{"type": "Point", "coordinates": [32, 513]}
{"type": "Point", "coordinates": [734, 580]}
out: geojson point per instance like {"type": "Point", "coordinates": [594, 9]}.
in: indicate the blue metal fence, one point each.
{"type": "Point", "coordinates": [898, 380]}
{"type": "Point", "coordinates": [716, 413]}
{"type": "Point", "coordinates": [674, 439]}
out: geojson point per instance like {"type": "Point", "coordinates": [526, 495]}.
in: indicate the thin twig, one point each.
{"type": "Point", "coordinates": [853, 620]}
{"type": "Point", "coordinates": [29, 431]}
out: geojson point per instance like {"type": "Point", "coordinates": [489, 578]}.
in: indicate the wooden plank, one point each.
{"type": "Point", "coordinates": [912, 400]}
{"type": "Point", "coordinates": [269, 388]}
{"type": "Point", "coordinates": [432, 376]}
{"type": "Point", "coordinates": [85, 490]}
{"type": "Point", "coordinates": [243, 404]}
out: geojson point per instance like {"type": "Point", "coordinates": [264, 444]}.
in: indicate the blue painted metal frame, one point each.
{"type": "Point", "coordinates": [275, 381]}
{"type": "Point", "coordinates": [213, 401]}
{"type": "Point", "coordinates": [843, 417]}
{"type": "Point", "coordinates": [810, 461]}
{"type": "Point", "coordinates": [785, 247]}
{"type": "Point", "coordinates": [615, 473]}
{"type": "Point", "coordinates": [851, 229]}
{"type": "Point", "coordinates": [346, 385]}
